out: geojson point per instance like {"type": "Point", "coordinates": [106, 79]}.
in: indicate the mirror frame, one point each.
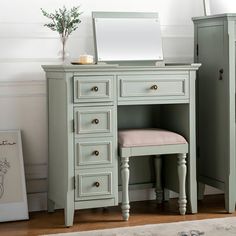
{"type": "Point", "coordinates": [131, 15]}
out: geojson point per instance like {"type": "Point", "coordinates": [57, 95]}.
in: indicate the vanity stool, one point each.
{"type": "Point", "coordinates": [141, 142]}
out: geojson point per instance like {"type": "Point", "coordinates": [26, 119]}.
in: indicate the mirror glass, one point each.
{"type": "Point", "coordinates": [128, 39]}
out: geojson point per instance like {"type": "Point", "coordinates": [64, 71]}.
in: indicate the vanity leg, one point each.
{"type": "Point", "coordinates": [182, 170]}
{"type": "Point", "coordinates": [69, 212]}
{"type": "Point", "coordinates": [192, 184]}
{"type": "Point", "coordinates": [201, 190]}
{"type": "Point", "coordinates": [166, 194]}
{"type": "Point", "coordinates": [229, 195]}
{"type": "Point", "coordinates": [50, 205]}
{"type": "Point", "coordinates": [125, 187]}
{"type": "Point", "coordinates": [158, 188]}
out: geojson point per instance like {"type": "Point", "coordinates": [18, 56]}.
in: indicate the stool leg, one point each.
{"type": "Point", "coordinates": [182, 169]}
{"type": "Point", "coordinates": [158, 189]}
{"type": "Point", "coordinates": [125, 187]}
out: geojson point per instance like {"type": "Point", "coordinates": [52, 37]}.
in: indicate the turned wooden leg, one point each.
{"type": "Point", "coordinates": [182, 170]}
{"type": "Point", "coordinates": [125, 187]}
{"type": "Point", "coordinates": [51, 205]}
{"type": "Point", "coordinates": [158, 189]}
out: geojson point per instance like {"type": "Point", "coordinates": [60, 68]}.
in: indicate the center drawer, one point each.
{"type": "Point", "coordinates": [93, 184]}
{"type": "Point", "coordinates": [90, 121]}
{"type": "Point", "coordinates": [161, 86]}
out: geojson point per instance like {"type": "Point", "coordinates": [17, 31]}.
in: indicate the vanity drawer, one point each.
{"type": "Point", "coordinates": [93, 88]}
{"type": "Point", "coordinates": [93, 120]}
{"type": "Point", "coordinates": [93, 184]}
{"type": "Point", "coordinates": [89, 152]}
{"type": "Point", "coordinates": [149, 86]}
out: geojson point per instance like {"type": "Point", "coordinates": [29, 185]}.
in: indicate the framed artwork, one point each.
{"type": "Point", "coordinates": [13, 200]}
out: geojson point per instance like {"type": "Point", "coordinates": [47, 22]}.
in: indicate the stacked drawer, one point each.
{"type": "Point", "coordinates": [95, 138]}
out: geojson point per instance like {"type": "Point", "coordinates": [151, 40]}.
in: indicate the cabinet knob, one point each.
{"type": "Point", "coordinates": [96, 153]}
{"type": "Point", "coordinates": [95, 121]}
{"type": "Point", "coordinates": [95, 88]}
{"type": "Point", "coordinates": [97, 184]}
{"type": "Point", "coordinates": [154, 87]}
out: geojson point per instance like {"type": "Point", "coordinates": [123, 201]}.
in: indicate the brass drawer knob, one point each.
{"type": "Point", "coordinates": [154, 87]}
{"type": "Point", "coordinates": [95, 121]}
{"type": "Point", "coordinates": [95, 88]}
{"type": "Point", "coordinates": [96, 153]}
{"type": "Point", "coordinates": [97, 184]}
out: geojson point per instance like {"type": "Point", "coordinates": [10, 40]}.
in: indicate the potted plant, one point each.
{"type": "Point", "coordinates": [64, 21]}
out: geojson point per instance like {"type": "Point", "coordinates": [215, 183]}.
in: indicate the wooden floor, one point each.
{"type": "Point", "coordinates": [147, 212]}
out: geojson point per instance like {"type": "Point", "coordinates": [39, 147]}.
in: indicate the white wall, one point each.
{"type": "Point", "coordinates": [222, 6]}
{"type": "Point", "coordinates": [25, 45]}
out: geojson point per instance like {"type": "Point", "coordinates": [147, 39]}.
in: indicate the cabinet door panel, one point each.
{"type": "Point", "coordinates": [213, 103]}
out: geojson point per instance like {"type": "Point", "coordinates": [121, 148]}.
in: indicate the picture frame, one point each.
{"type": "Point", "coordinates": [13, 199]}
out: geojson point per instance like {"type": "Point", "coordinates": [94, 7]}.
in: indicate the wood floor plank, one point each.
{"type": "Point", "coordinates": [146, 212]}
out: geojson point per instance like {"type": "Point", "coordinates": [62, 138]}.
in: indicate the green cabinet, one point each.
{"type": "Point", "coordinates": [214, 44]}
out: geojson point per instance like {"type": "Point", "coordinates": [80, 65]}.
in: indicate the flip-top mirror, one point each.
{"type": "Point", "coordinates": [127, 36]}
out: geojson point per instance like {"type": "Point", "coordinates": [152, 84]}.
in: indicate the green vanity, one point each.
{"type": "Point", "coordinates": [87, 104]}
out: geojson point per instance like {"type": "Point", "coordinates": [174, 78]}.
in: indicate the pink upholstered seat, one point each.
{"type": "Point", "coordinates": [148, 137]}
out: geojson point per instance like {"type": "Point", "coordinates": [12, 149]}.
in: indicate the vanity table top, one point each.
{"type": "Point", "coordinates": [228, 15]}
{"type": "Point", "coordinates": [116, 67]}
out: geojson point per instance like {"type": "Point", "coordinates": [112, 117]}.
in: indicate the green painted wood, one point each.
{"type": "Point", "coordinates": [95, 204]}
{"type": "Point", "coordinates": [192, 182]}
{"type": "Point", "coordinates": [57, 140]}
{"type": "Point", "coordinates": [164, 86]}
{"type": "Point", "coordinates": [93, 120]}
{"type": "Point", "coordinates": [64, 137]}
{"type": "Point", "coordinates": [94, 184]}
{"type": "Point", "coordinates": [60, 115]}
{"type": "Point", "coordinates": [215, 37]}
{"type": "Point", "coordinates": [158, 174]}
{"type": "Point", "coordinates": [230, 191]}
{"type": "Point", "coordinates": [211, 51]}
{"type": "Point", "coordinates": [89, 153]}
{"type": "Point", "coordinates": [93, 88]}
{"type": "Point", "coordinates": [127, 153]}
